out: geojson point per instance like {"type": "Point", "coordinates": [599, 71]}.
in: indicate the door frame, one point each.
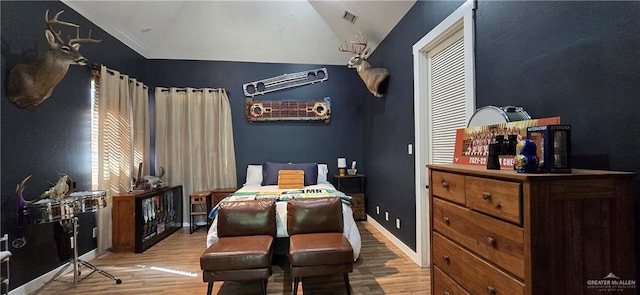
{"type": "Point", "coordinates": [461, 17]}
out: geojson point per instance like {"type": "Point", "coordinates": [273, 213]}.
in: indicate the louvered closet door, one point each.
{"type": "Point", "coordinates": [447, 103]}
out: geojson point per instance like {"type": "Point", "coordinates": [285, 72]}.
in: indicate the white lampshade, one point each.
{"type": "Point", "coordinates": [342, 162]}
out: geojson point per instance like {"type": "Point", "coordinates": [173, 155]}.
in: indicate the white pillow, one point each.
{"type": "Point", "coordinates": [254, 175]}
{"type": "Point", "coordinates": [322, 173]}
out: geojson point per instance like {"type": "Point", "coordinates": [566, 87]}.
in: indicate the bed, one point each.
{"type": "Point", "coordinates": [256, 187]}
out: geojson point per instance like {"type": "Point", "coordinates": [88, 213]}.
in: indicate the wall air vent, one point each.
{"type": "Point", "coordinates": [349, 16]}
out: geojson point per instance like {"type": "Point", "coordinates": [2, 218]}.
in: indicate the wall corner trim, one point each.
{"type": "Point", "coordinates": [401, 245]}
{"type": "Point", "coordinates": [40, 281]}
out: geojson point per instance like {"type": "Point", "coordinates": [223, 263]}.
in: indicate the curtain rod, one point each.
{"type": "Point", "coordinates": [96, 67]}
{"type": "Point", "coordinates": [197, 90]}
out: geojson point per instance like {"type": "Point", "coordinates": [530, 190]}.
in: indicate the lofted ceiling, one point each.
{"type": "Point", "coordinates": [293, 31]}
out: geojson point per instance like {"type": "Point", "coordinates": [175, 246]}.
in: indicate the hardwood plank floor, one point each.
{"type": "Point", "coordinates": [381, 269]}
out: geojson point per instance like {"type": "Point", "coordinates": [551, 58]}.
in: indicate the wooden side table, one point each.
{"type": "Point", "coordinates": [199, 208]}
{"type": "Point", "coordinates": [358, 200]}
{"type": "Point", "coordinates": [220, 193]}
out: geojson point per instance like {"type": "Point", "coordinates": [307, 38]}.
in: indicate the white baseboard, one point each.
{"type": "Point", "coordinates": [404, 248]}
{"type": "Point", "coordinates": [37, 283]}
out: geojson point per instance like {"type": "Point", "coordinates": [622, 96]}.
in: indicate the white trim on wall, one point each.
{"type": "Point", "coordinates": [461, 17]}
{"type": "Point", "coordinates": [40, 281]}
{"type": "Point", "coordinates": [387, 234]}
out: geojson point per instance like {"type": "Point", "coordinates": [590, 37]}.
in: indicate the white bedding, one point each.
{"type": "Point", "coordinates": [350, 229]}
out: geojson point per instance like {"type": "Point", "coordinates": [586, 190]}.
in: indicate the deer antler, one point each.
{"type": "Point", "coordinates": [55, 20]}
{"type": "Point", "coordinates": [358, 47]}
{"type": "Point", "coordinates": [77, 39]}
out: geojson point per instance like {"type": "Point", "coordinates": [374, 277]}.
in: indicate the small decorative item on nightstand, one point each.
{"type": "Point", "coordinates": [352, 170]}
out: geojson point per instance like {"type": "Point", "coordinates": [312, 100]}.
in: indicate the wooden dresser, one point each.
{"type": "Point", "coordinates": [501, 232]}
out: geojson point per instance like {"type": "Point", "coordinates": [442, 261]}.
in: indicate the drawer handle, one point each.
{"type": "Point", "coordinates": [446, 258]}
{"type": "Point", "coordinates": [486, 196]}
{"type": "Point", "coordinates": [492, 241]}
{"type": "Point", "coordinates": [499, 206]}
{"type": "Point", "coordinates": [445, 184]}
{"type": "Point", "coordinates": [491, 290]}
{"type": "Point", "coordinates": [446, 220]}
{"type": "Point", "coordinates": [446, 293]}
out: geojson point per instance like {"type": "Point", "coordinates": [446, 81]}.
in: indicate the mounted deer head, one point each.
{"type": "Point", "coordinates": [372, 77]}
{"type": "Point", "coordinates": [29, 85]}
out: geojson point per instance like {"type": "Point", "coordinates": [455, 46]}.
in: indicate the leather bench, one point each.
{"type": "Point", "coordinates": [243, 251]}
{"type": "Point", "coordinates": [317, 246]}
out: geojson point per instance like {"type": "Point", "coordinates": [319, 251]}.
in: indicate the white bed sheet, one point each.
{"type": "Point", "coordinates": [350, 229]}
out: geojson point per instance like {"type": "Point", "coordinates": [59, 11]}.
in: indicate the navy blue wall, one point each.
{"type": "Point", "coordinates": [389, 122]}
{"type": "Point", "coordinates": [278, 141]}
{"type": "Point", "coordinates": [53, 137]}
{"type": "Point", "coordinates": [576, 60]}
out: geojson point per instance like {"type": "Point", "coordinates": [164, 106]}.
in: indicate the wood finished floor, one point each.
{"type": "Point", "coordinates": [381, 269]}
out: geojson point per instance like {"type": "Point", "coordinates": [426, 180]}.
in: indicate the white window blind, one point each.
{"type": "Point", "coordinates": [448, 103]}
{"type": "Point", "coordinates": [95, 96]}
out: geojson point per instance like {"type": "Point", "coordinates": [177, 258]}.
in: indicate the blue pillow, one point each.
{"type": "Point", "coordinates": [270, 172]}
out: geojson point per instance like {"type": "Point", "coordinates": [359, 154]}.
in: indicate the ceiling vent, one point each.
{"type": "Point", "coordinates": [349, 16]}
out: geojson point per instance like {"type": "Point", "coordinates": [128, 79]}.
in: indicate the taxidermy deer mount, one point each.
{"type": "Point", "coordinates": [372, 77]}
{"type": "Point", "coordinates": [29, 85]}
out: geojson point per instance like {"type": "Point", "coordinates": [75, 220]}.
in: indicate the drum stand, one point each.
{"type": "Point", "coordinates": [77, 262]}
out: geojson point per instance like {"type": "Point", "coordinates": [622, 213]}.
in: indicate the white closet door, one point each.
{"type": "Point", "coordinates": [444, 99]}
{"type": "Point", "coordinates": [447, 104]}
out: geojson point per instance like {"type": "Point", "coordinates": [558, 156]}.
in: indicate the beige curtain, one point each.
{"type": "Point", "coordinates": [194, 139]}
{"type": "Point", "coordinates": [121, 125]}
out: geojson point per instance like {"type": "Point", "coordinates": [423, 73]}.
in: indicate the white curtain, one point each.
{"type": "Point", "coordinates": [121, 140]}
{"type": "Point", "coordinates": [194, 139]}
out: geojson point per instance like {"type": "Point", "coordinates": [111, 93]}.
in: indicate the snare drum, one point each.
{"type": "Point", "coordinates": [89, 201]}
{"type": "Point", "coordinates": [489, 115]}
{"type": "Point", "coordinates": [47, 210]}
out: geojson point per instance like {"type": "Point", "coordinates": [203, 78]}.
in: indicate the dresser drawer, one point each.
{"type": "Point", "coordinates": [444, 285]}
{"type": "Point", "coordinates": [474, 274]}
{"type": "Point", "coordinates": [500, 242]}
{"type": "Point", "coordinates": [449, 186]}
{"type": "Point", "coordinates": [499, 198]}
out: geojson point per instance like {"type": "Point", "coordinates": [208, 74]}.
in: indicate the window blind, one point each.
{"type": "Point", "coordinates": [448, 100]}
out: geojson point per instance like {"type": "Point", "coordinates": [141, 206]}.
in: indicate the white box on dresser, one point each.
{"type": "Point", "coordinates": [502, 232]}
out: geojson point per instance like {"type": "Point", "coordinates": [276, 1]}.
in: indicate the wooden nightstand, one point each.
{"type": "Point", "coordinates": [220, 193]}
{"type": "Point", "coordinates": [346, 184]}
{"type": "Point", "coordinates": [199, 209]}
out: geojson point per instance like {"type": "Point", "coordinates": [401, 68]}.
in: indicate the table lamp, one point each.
{"type": "Point", "coordinates": [342, 166]}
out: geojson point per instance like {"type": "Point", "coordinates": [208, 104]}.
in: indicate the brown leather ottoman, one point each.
{"type": "Point", "coordinates": [246, 230]}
